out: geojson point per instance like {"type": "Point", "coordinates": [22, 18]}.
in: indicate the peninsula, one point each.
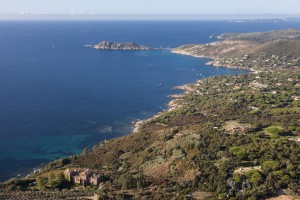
{"type": "Point", "coordinates": [127, 46]}
{"type": "Point", "coordinates": [255, 51]}
{"type": "Point", "coordinates": [226, 137]}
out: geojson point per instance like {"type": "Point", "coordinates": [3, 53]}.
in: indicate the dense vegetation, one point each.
{"type": "Point", "coordinates": [229, 137]}
{"type": "Point", "coordinates": [269, 56]}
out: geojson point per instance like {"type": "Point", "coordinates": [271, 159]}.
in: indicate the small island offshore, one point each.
{"type": "Point", "coordinates": [226, 137]}
{"type": "Point", "coordinates": [127, 46]}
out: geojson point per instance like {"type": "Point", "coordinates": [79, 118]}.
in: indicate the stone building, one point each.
{"type": "Point", "coordinates": [84, 177]}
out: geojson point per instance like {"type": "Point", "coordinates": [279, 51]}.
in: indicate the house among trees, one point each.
{"type": "Point", "coordinates": [84, 177]}
{"type": "Point", "coordinates": [239, 129]}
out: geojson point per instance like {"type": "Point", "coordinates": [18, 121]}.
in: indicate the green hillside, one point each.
{"type": "Point", "coordinates": [263, 36]}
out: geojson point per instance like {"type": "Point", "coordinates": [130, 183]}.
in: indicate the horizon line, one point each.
{"type": "Point", "coordinates": [112, 16]}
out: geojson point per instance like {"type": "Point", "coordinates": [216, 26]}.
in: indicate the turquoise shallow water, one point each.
{"type": "Point", "coordinates": [58, 97]}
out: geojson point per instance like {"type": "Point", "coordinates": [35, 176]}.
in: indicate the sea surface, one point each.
{"type": "Point", "coordinates": [57, 97]}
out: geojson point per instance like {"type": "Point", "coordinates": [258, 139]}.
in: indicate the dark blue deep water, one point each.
{"type": "Point", "coordinates": [57, 97]}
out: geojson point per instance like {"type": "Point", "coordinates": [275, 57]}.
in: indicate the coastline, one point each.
{"type": "Point", "coordinates": [172, 105]}
{"type": "Point", "coordinates": [204, 127]}
{"type": "Point", "coordinates": [221, 124]}
{"type": "Point", "coordinates": [214, 61]}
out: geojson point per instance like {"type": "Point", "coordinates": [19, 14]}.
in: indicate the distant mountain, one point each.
{"type": "Point", "coordinates": [258, 20]}
{"type": "Point", "coordinates": [293, 19]}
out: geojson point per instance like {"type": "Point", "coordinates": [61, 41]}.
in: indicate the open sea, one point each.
{"type": "Point", "coordinates": [57, 97]}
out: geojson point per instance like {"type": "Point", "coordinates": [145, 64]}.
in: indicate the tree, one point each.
{"type": "Point", "coordinates": [270, 165]}
{"type": "Point", "coordinates": [51, 179]}
{"type": "Point", "coordinates": [41, 182]}
{"type": "Point", "coordinates": [59, 179]}
{"type": "Point", "coordinates": [254, 177]}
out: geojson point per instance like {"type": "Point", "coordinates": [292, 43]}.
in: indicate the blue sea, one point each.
{"type": "Point", "coordinates": [57, 97]}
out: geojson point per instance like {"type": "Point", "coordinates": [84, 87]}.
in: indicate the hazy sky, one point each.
{"type": "Point", "coordinates": [152, 6]}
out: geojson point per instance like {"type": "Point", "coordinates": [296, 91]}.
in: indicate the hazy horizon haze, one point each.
{"type": "Point", "coordinates": [18, 9]}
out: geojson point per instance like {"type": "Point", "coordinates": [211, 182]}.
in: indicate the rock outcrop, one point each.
{"type": "Point", "coordinates": [105, 45]}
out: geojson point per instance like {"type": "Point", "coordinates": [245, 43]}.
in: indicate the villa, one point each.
{"type": "Point", "coordinates": [84, 177]}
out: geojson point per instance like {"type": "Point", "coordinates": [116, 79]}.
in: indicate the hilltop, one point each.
{"type": "Point", "coordinates": [225, 137]}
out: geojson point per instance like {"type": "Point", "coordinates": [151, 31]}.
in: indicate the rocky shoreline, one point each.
{"type": "Point", "coordinates": [213, 61]}
{"type": "Point", "coordinates": [173, 105]}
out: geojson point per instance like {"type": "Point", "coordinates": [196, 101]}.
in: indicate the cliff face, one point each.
{"type": "Point", "coordinates": [105, 45]}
